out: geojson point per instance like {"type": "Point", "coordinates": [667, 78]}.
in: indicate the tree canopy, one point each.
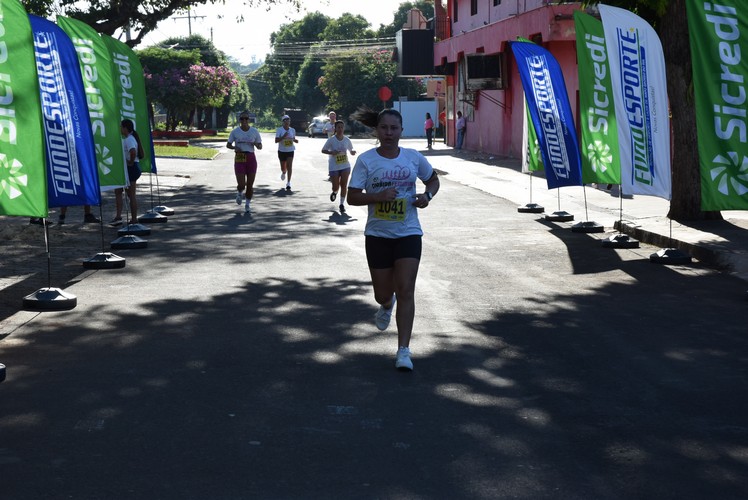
{"type": "Point", "coordinates": [141, 16]}
{"type": "Point", "coordinates": [188, 73]}
{"type": "Point", "coordinates": [319, 62]}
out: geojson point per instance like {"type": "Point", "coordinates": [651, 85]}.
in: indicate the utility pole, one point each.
{"type": "Point", "coordinates": [189, 18]}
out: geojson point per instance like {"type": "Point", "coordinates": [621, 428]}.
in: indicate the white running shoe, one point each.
{"type": "Point", "coordinates": [283, 176]}
{"type": "Point", "coordinates": [383, 316]}
{"type": "Point", "coordinates": [403, 361]}
{"type": "Point", "coordinates": [246, 208]}
{"type": "Point", "coordinates": [238, 198]}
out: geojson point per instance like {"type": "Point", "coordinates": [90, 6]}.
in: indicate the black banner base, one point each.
{"type": "Point", "coordinates": [560, 216]}
{"type": "Point", "coordinates": [105, 260]}
{"type": "Point", "coordinates": [587, 227]}
{"type": "Point", "coordinates": [128, 241]}
{"type": "Point", "coordinates": [670, 256]}
{"type": "Point", "coordinates": [50, 299]}
{"type": "Point", "coordinates": [620, 241]}
{"type": "Point", "coordinates": [531, 208]}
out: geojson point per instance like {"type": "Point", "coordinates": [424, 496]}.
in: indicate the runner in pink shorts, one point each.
{"type": "Point", "coordinates": [243, 140]}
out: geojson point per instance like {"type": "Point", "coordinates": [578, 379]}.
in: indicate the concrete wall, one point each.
{"type": "Point", "coordinates": [414, 114]}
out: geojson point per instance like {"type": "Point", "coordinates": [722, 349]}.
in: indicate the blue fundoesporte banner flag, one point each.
{"type": "Point", "coordinates": [551, 115]}
{"type": "Point", "coordinates": [72, 178]}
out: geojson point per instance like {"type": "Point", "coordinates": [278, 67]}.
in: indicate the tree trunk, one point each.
{"type": "Point", "coordinates": [222, 117]}
{"type": "Point", "coordinates": [686, 202]}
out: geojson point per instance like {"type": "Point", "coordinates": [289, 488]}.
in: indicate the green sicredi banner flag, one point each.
{"type": "Point", "coordinates": [601, 159]}
{"type": "Point", "coordinates": [534, 161]}
{"type": "Point", "coordinates": [129, 85]}
{"type": "Point", "coordinates": [23, 169]}
{"type": "Point", "coordinates": [718, 34]}
{"type": "Point", "coordinates": [96, 68]}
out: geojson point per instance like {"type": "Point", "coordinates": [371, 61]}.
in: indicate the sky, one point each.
{"type": "Point", "coordinates": [251, 38]}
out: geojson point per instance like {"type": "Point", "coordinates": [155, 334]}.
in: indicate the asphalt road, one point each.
{"type": "Point", "coordinates": [236, 357]}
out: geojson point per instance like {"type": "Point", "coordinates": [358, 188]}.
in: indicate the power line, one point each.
{"type": "Point", "coordinates": [334, 49]}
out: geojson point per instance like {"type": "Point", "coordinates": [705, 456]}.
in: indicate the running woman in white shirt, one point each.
{"type": "Point", "coordinates": [285, 137]}
{"type": "Point", "coordinates": [337, 148]}
{"type": "Point", "coordinates": [384, 179]}
{"type": "Point", "coordinates": [329, 127]}
{"type": "Point", "coordinates": [243, 140]}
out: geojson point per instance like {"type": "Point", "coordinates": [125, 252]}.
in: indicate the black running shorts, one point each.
{"type": "Point", "coordinates": [381, 253]}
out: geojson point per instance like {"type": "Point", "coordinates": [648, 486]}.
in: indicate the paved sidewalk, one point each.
{"type": "Point", "coordinates": [720, 244]}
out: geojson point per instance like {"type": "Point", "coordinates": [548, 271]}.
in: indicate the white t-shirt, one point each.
{"type": "Point", "coordinates": [374, 173]}
{"type": "Point", "coordinates": [287, 144]}
{"type": "Point", "coordinates": [329, 129]}
{"type": "Point", "coordinates": [244, 140]}
{"type": "Point", "coordinates": [339, 161]}
{"type": "Point", "coordinates": [129, 143]}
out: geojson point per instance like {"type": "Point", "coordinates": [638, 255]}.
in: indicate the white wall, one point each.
{"type": "Point", "coordinates": [414, 114]}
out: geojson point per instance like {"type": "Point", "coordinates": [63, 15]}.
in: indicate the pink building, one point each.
{"type": "Point", "coordinates": [472, 50]}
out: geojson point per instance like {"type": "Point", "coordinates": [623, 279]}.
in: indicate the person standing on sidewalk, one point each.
{"type": "Point", "coordinates": [337, 148]}
{"type": "Point", "coordinates": [243, 140]}
{"type": "Point", "coordinates": [428, 126]}
{"type": "Point", "coordinates": [131, 146]}
{"type": "Point", "coordinates": [285, 137]}
{"type": "Point", "coordinates": [443, 124]}
{"type": "Point", "coordinates": [384, 179]}
{"type": "Point", "coordinates": [460, 126]}
{"type": "Point", "coordinates": [88, 217]}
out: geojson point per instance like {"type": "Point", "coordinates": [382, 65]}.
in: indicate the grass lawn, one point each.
{"type": "Point", "coordinates": [194, 152]}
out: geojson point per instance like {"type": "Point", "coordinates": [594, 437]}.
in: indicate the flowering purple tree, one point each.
{"type": "Point", "coordinates": [181, 91]}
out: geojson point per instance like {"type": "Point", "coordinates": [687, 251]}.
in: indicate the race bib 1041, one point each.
{"type": "Point", "coordinates": [394, 210]}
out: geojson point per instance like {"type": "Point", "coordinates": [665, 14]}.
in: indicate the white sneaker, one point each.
{"type": "Point", "coordinates": [238, 198]}
{"type": "Point", "coordinates": [246, 208]}
{"type": "Point", "coordinates": [283, 176]}
{"type": "Point", "coordinates": [383, 316]}
{"type": "Point", "coordinates": [402, 360]}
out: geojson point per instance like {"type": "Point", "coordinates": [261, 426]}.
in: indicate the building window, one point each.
{"type": "Point", "coordinates": [473, 7]}
{"type": "Point", "coordinates": [496, 2]}
{"type": "Point", "coordinates": [485, 72]}
{"type": "Point", "coordinates": [454, 11]}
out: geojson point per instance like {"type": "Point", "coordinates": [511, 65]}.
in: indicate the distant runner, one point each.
{"type": "Point", "coordinates": [337, 148]}
{"type": "Point", "coordinates": [243, 140]}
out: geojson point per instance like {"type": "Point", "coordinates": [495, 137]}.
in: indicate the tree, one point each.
{"type": "Point", "coordinates": [668, 17]}
{"type": "Point", "coordinates": [351, 83]}
{"type": "Point", "coordinates": [181, 90]}
{"type": "Point", "coordinates": [173, 65]}
{"type": "Point", "coordinates": [263, 98]}
{"type": "Point", "coordinates": [291, 45]}
{"type": "Point", "coordinates": [141, 16]}
{"type": "Point", "coordinates": [401, 16]}
{"type": "Point", "coordinates": [164, 69]}
{"type": "Point", "coordinates": [347, 27]}
{"type": "Point", "coordinates": [308, 94]}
